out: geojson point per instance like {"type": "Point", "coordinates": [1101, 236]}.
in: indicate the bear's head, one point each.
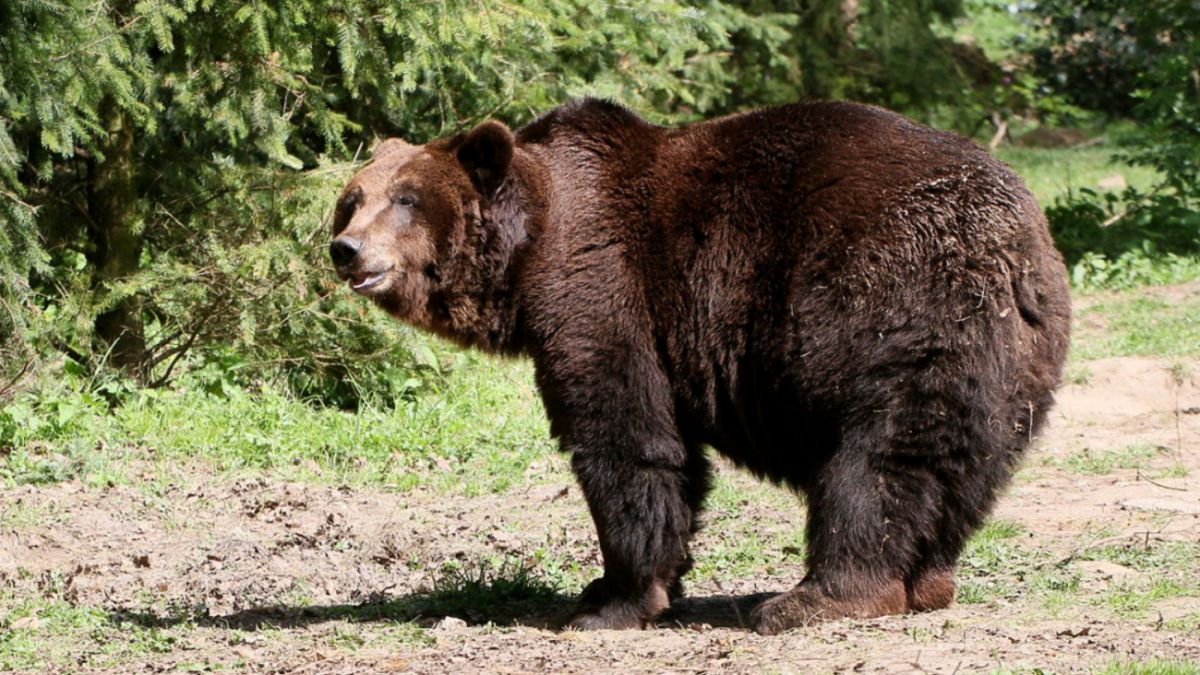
{"type": "Point", "coordinates": [412, 223]}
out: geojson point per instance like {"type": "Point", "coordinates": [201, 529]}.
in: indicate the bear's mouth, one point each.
{"type": "Point", "coordinates": [360, 283]}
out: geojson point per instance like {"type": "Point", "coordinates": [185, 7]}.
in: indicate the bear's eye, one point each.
{"type": "Point", "coordinates": [405, 200]}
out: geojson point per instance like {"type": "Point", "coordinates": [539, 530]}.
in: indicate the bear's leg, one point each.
{"type": "Point", "coordinates": [969, 494]}
{"type": "Point", "coordinates": [930, 584]}
{"type": "Point", "coordinates": [645, 512]}
{"type": "Point", "coordinates": [699, 481]}
{"type": "Point", "coordinates": [870, 515]}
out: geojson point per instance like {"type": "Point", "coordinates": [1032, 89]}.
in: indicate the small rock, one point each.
{"type": "Point", "coordinates": [452, 623]}
{"type": "Point", "coordinates": [1106, 570]}
{"type": "Point", "coordinates": [31, 622]}
{"type": "Point", "coordinates": [1113, 182]}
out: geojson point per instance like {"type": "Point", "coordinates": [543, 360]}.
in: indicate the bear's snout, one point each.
{"type": "Point", "coordinates": [344, 250]}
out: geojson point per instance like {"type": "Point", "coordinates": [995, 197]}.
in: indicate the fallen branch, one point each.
{"type": "Point", "coordinates": [4, 392]}
{"type": "Point", "coordinates": [1070, 557]}
{"type": "Point", "coordinates": [1157, 484]}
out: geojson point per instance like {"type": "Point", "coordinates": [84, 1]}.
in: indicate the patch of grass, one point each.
{"type": "Point", "coordinates": [1133, 599]}
{"type": "Point", "coordinates": [1151, 667]}
{"type": "Point", "coordinates": [993, 546]}
{"type": "Point", "coordinates": [488, 589]}
{"type": "Point", "coordinates": [971, 592]}
{"type": "Point", "coordinates": [1189, 623]}
{"type": "Point", "coordinates": [1077, 373]}
{"type": "Point", "coordinates": [1176, 470]}
{"type": "Point", "coordinates": [41, 463]}
{"type": "Point", "coordinates": [1055, 581]}
{"type": "Point", "coordinates": [1158, 555]}
{"type": "Point", "coordinates": [1137, 325]}
{"type": "Point", "coordinates": [477, 592]}
{"type": "Point", "coordinates": [987, 566]}
{"type": "Point", "coordinates": [1053, 172]}
{"type": "Point", "coordinates": [20, 515]}
{"type": "Point", "coordinates": [1180, 371]}
{"type": "Point", "coordinates": [733, 489]}
{"type": "Point", "coordinates": [403, 633]}
{"type": "Point", "coordinates": [922, 634]}
{"type": "Point", "coordinates": [49, 634]}
{"type": "Point", "coordinates": [1101, 462]}
{"type": "Point", "coordinates": [348, 637]}
{"type": "Point", "coordinates": [749, 554]}
{"type": "Point", "coordinates": [1166, 570]}
{"type": "Point", "coordinates": [737, 545]}
{"type": "Point", "coordinates": [298, 595]}
{"type": "Point", "coordinates": [566, 576]}
{"type": "Point", "coordinates": [479, 432]}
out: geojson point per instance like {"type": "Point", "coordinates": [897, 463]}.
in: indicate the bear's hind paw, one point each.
{"type": "Point", "coordinates": [806, 605]}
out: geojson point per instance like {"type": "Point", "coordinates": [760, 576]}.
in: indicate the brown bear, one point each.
{"type": "Point", "coordinates": [839, 299]}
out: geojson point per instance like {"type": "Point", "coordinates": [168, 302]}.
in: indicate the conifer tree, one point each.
{"type": "Point", "coordinates": [126, 129]}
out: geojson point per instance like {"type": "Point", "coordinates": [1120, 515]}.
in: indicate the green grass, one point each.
{"type": "Point", "coordinates": [1157, 556]}
{"type": "Point", "coordinates": [1132, 600]}
{"type": "Point", "coordinates": [1053, 172]}
{"type": "Point", "coordinates": [741, 554]}
{"type": "Point", "coordinates": [998, 565]}
{"type": "Point", "coordinates": [1151, 667]}
{"type": "Point", "coordinates": [44, 634]}
{"type": "Point", "coordinates": [1165, 570]}
{"type": "Point", "coordinates": [21, 515]}
{"type": "Point", "coordinates": [488, 590]}
{"type": "Point", "coordinates": [1108, 241]}
{"type": "Point", "coordinates": [1189, 623]}
{"type": "Point", "coordinates": [1077, 373]}
{"type": "Point", "coordinates": [480, 432]}
{"type": "Point", "coordinates": [1091, 462]}
{"type": "Point", "coordinates": [741, 546]}
{"type": "Point", "coordinates": [986, 566]}
{"type": "Point", "coordinates": [493, 590]}
{"type": "Point", "coordinates": [1134, 324]}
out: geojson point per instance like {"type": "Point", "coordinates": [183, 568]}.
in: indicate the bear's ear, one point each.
{"type": "Point", "coordinates": [389, 146]}
{"type": "Point", "coordinates": [486, 153]}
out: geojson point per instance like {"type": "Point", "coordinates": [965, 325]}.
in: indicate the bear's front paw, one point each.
{"type": "Point", "coordinates": [601, 609]}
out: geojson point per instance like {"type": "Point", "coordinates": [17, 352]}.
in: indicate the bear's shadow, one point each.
{"type": "Point", "coordinates": [548, 611]}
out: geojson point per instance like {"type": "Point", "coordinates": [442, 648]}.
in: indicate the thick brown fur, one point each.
{"type": "Point", "coordinates": [838, 299]}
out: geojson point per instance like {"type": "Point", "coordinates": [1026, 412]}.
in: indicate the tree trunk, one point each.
{"type": "Point", "coordinates": [849, 15]}
{"type": "Point", "coordinates": [116, 238]}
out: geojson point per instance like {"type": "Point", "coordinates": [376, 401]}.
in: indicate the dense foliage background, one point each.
{"type": "Point", "coordinates": [166, 168]}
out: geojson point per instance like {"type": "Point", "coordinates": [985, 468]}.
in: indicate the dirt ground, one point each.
{"type": "Point", "coordinates": [272, 577]}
